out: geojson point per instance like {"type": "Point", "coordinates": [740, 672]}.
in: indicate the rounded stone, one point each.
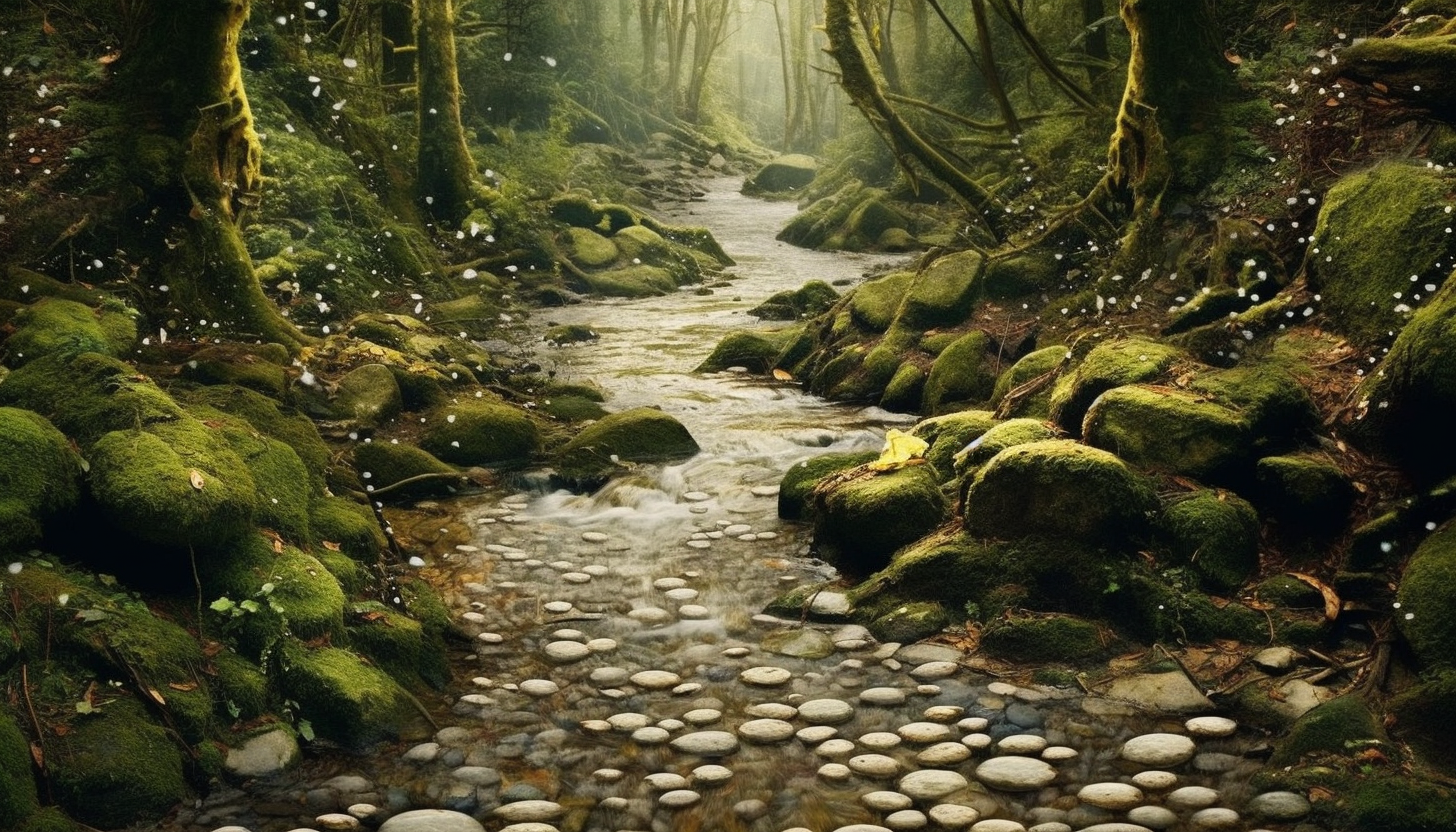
{"type": "Point", "coordinates": [815, 734]}
{"type": "Point", "coordinates": [706, 743]}
{"type": "Point", "coordinates": [766, 730]}
{"type": "Point", "coordinates": [953, 815]}
{"type": "Point", "coordinates": [932, 784]}
{"type": "Point", "coordinates": [944, 713]}
{"type": "Point", "coordinates": [1022, 744]}
{"type": "Point", "coordinates": [973, 724]}
{"type": "Point", "coordinates": [1059, 753]}
{"type": "Point", "coordinates": [997, 825]}
{"type": "Point", "coordinates": [712, 775]}
{"type": "Point", "coordinates": [1116, 797]}
{"type": "Point", "coordinates": [608, 775]}
{"type": "Point", "coordinates": [835, 772]}
{"type": "Point", "coordinates": [1214, 818]}
{"type": "Point", "coordinates": [874, 765]}
{"type": "Point", "coordinates": [650, 735]}
{"type": "Point", "coordinates": [702, 716]}
{"type": "Point", "coordinates": [880, 740]}
{"type": "Point", "coordinates": [1279, 806]}
{"type": "Point", "coordinates": [1016, 774]}
{"type": "Point", "coordinates": [1211, 726]}
{"type": "Point", "coordinates": [679, 798]}
{"type": "Point", "coordinates": [835, 748]}
{"type": "Point", "coordinates": [1190, 798]}
{"type": "Point", "coordinates": [772, 710]}
{"type": "Point", "coordinates": [681, 594]}
{"type": "Point", "coordinates": [666, 584]}
{"type": "Point", "coordinates": [431, 820]}
{"type": "Point", "coordinates": [886, 801]}
{"type": "Point", "coordinates": [856, 827]}
{"type": "Point", "coordinates": [932, 671]}
{"type": "Point", "coordinates": [601, 645]}
{"type": "Point", "coordinates": [608, 676]}
{"type": "Point", "coordinates": [765, 676]}
{"type": "Point", "coordinates": [1154, 780]}
{"type": "Point", "coordinates": [943, 754]}
{"type": "Point", "coordinates": [826, 711]}
{"type": "Point", "coordinates": [751, 809]}
{"type": "Point", "coordinates": [628, 721]}
{"type": "Point", "coordinates": [977, 742]}
{"type": "Point", "coordinates": [557, 607]}
{"type": "Point", "coordinates": [924, 732]}
{"type": "Point", "coordinates": [524, 811]}
{"type": "Point", "coordinates": [1153, 817]}
{"type": "Point", "coordinates": [884, 697]}
{"type": "Point", "coordinates": [1158, 750]}
{"type": "Point", "coordinates": [565, 652]}
{"type": "Point", "coordinates": [531, 826]}
{"type": "Point", "coordinates": [655, 679]}
{"type": "Point", "coordinates": [906, 819]}
{"type": "Point", "coordinates": [337, 822]}
{"type": "Point", "coordinates": [665, 781]}
{"type": "Point", "coordinates": [695, 612]}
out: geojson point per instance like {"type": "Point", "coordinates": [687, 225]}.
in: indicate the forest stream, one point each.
{"type": "Point", "coordinates": [624, 676]}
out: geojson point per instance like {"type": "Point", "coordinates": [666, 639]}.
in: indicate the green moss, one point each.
{"type": "Point", "coordinates": [589, 249]}
{"type": "Point", "coordinates": [1397, 804]}
{"type": "Point", "coordinates": [146, 483]}
{"type": "Point", "coordinates": [950, 433]}
{"type": "Point", "coordinates": [383, 463]}
{"type": "Point", "coordinates": [17, 787]}
{"type": "Point", "coordinates": [244, 365]}
{"type": "Point", "coordinates": [116, 768]}
{"type": "Point", "coordinates": [1428, 619]}
{"type": "Point", "coordinates": [346, 699]}
{"type": "Point", "coordinates": [960, 374]}
{"type": "Point", "coordinates": [353, 577]}
{"type": "Point", "coordinates": [756, 351]}
{"type": "Point", "coordinates": [1033, 365]}
{"type": "Point", "coordinates": [634, 281]}
{"type": "Point", "coordinates": [570, 334]}
{"type": "Point", "coordinates": [39, 476]}
{"type": "Point", "coordinates": [398, 644]}
{"type": "Point", "coordinates": [1170, 431]}
{"type": "Point", "coordinates": [944, 293]}
{"type": "Point", "coordinates": [55, 326]}
{"type": "Point", "coordinates": [798, 482]}
{"type": "Point", "coordinates": [294, 595]}
{"type": "Point", "coordinates": [368, 395]}
{"type": "Point", "coordinates": [281, 481]}
{"type": "Point", "coordinates": [480, 432]}
{"type": "Point", "coordinates": [238, 685]}
{"type": "Point", "coordinates": [274, 421]}
{"type": "Point", "coordinates": [787, 173]}
{"type": "Point", "coordinates": [1217, 534]}
{"type": "Point", "coordinates": [1007, 434]}
{"type": "Point", "coordinates": [875, 302]}
{"type": "Point", "coordinates": [1130, 361]}
{"type": "Point", "coordinates": [47, 819]}
{"type": "Point", "coordinates": [1422, 714]}
{"type": "Point", "coordinates": [1058, 638]}
{"type": "Point", "coordinates": [1022, 274]}
{"type": "Point", "coordinates": [1378, 227]}
{"type": "Point", "coordinates": [1328, 728]}
{"type": "Point", "coordinates": [869, 220]}
{"type": "Point", "coordinates": [910, 622]}
{"type": "Point", "coordinates": [642, 434]}
{"type": "Point", "coordinates": [935, 343]}
{"type": "Point", "coordinates": [868, 383]}
{"type": "Point", "coordinates": [808, 300]}
{"type": "Point", "coordinates": [905, 389]}
{"type": "Point", "coordinates": [576, 210]}
{"type": "Point", "coordinates": [572, 408]}
{"type": "Point", "coordinates": [859, 523]}
{"type": "Point", "coordinates": [1059, 488]}
{"type": "Point", "coordinates": [1307, 494]}
{"type": "Point", "coordinates": [1268, 396]}
{"type": "Point", "coordinates": [1289, 593]}
{"type": "Point", "coordinates": [1208, 306]}
{"type": "Point", "coordinates": [88, 395]}
{"type": "Point", "coordinates": [1153, 608]}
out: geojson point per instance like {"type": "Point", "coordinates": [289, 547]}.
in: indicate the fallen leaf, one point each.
{"type": "Point", "coordinates": [156, 696]}
{"type": "Point", "coordinates": [1332, 599]}
{"type": "Point", "coordinates": [332, 546]}
{"type": "Point", "coordinates": [900, 450]}
{"type": "Point", "coordinates": [1332, 102]}
{"type": "Point", "coordinates": [109, 58]}
{"type": "Point", "coordinates": [182, 686]}
{"type": "Point", "coordinates": [1291, 24]}
{"type": "Point", "coordinates": [1379, 86]}
{"type": "Point", "coordinates": [38, 754]}
{"type": "Point", "coordinates": [782, 374]}
{"type": "Point", "coordinates": [198, 482]}
{"type": "Point", "coordinates": [1232, 57]}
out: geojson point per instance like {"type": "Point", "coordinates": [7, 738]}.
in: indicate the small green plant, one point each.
{"type": "Point", "coordinates": [230, 609]}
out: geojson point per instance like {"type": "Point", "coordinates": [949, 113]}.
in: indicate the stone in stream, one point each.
{"type": "Point", "coordinates": [707, 743]}
{"type": "Point", "coordinates": [337, 822]}
{"type": "Point", "coordinates": [874, 765]}
{"type": "Point", "coordinates": [880, 740]}
{"type": "Point", "coordinates": [693, 612]}
{"type": "Point", "coordinates": [765, 676]}
{"type": "Point", "coordinates": [1191, 798]}
{"type": "Point", "coordinates": [856, 827]}
{"type": "Point", "coordinates": [886, 801]}
{"type": "Point", "coordinates": [566, 652]}
{"type": "Point", "coordinates": [1059, 754]}
{"type": "Point", "coordinates": [973, 724]}
{"type": "Point", "coordinates": [953, 815]}
{"type": "Point", "coordinates": [655, 679]}
{"type": "Point", "coordinates": [943, 713]}
{"type": "Point", "coordinates": [1153, 817]}
{"type": "Point", "coordinates": [712, 775]}
{"type": "Point", "coordinates": [1016, 774]}
{"type": "Point", "coordinates": [835, 748]}
{"type": "Point", "coordinates": [650, 735]}
{"type": "Point", "coordinates": [702, 716]}
{"type": "Point", "coordinates": [1117, 797]}
{"type": "Point", "coordinates": [1022, 744]}
{"type": "Point", "coordinates": [1001, 825]}
{"type": "Point", "coordinates": [1214, 818]}
{"type": "Point", "coordinates": [766, 730]}
{"type": "Point", "coordinates": [679, 798]}
{"type": "Point", "coordinates": [1154, 780]}
{"type": "Point", "coordinates": [664, 781]}
{"type": "Point", "coordinates": [1211, 726]}
{"type": "Point", "coordinates": [924, 732]}
{"type": "Point", "coordinates": [1282, 807]}
{"type": "Point", "coordinates": [932, 784]}
{"type": "Point", "coordinates": [529, 827]}
{"type": "Point", "coordinates": [933, 671]}
{"type": "Point", "coordinates": [628, 721]}
{"type": "Point", "coordinates": [431, 820]}
{"type": "Point", "coordinates": [799, 643]}
{"type": "Point", "coordinates": [608, 676]}
{"type": "Point", "coordinates": [884, 697]}
{"type": "Point", "coordinates": [815, 734]}
{"type": "Point", "coordinates": [529, 810]}
{"type": "Point", "coordinates": [665, 584]}
{"type": "Point", "coordinates": [826, 711]}
{"type": "Point", "coordinates": [1158, 750]}
{"type": "Point", "coordinates": [681, 594]}
{"type": "Point", "coordinates": [772, 710]}
{"type": "Point", "coordinates": [906, 820]}
{"type": "Point", "coordinates": [836, 773]}
{"type": "Point", "coordinates": [943, 755]}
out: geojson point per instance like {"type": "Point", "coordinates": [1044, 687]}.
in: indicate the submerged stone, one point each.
{"type": "Point", "coordinates": [642, 434]}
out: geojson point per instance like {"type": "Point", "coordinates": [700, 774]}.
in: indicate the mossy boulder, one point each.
{"type": "Point", "coordinates": [576, 210]}
{"type": "Point", "coordinates": [346, 699]}
{"type": "Point", "coordinates": [273, 420]}
{"type": "Point", "coordinates": [633, 281]}
{"type": "Point", "coordinates": [1306, 494]}
{"type": "Point", "coordinates": [1427, 590]}
{"type": "Point", "coordinates": [860, 521]}
{"type": "Point", "coordinates": [286, 590]}
{"type": "Point", "coordinates": [874, 303]}
{"type": "Point", "coordinates": [643, 246]}
{"type": "Point", "coordinates": [1007, 434]}
{"type": "Point", "coordinates": [1129, 361]}
{"type": "Point", "coordinates": [64, 327]}
{"type": "Point", "coordinates": [1377, 228]}
{"type": "Point", "coordinates": [1394, 803]}
{"type": "Point", "coordinates": [1269, 396]}
{"type": "Point", "coordinates": [910, 622]}
{"type": "Point", "coordinates": [812, 298]}
{"type": "Point", "coordinates": [349, 525]}
{"type": "Point", "coordinates": [174, 484]}
{"type": "Point", "coordinates": [1037, 365]}
{"type": "Point", "coordinates": [787, 173]}
{"type": "Point", "coordinates": [757, 352]}
{"type": "Point", "coordinates": [480, 432]}
{"type": "Point", "coordinates": [1062, 489]}
{"type": "Point", "coordinates": [1050, 638]}
{"type": "Point", "coordinates": [116, 768]}
{"type": "Point", "coordinates": [1170, 431]}
{"type": "Point", "coordinates": [1329, 728]}
{"type": "Point", "coordinates": [950, 433]}
{"type": "Point", "coordinates": [906, 389]}
{"type": "Point", "coordinates": [88, 395]}
{"type": "Point", "coordinates": [588, 249]}
{"type": "Point", "coordinates": [960, 375]}
{"type": "Point", "coordinates": [1408, 401]}
{"type": "Point", "coordinates": [281, 481]}
{"type": "Point", "coordinates": [1216, 534]}
{"type": "Point", "coordinates": [17, 786]}
{"type": "Point", "coordinates": [944, 293]}
{"type": "Point", "coordinates": [797, 486]}
{"type": "Point", "coordinates": [869, 221]}
{"type": "Point", "coordinates": [40, 476]}
{"type": "Point", "coordinates": [570, 334]}
{"type": "Point", "coordinates": [383, 463]}
{"type": "Point", "coordinates": [256, 367]}
{"type": "Point", "coordinates": [368, 396]}
{"type": "Point", "coordinates": [642, 434]}
{"type": "Point", "coordinates": [402, 646]}
{"type": "Point", "coordinates": [1022, 274]}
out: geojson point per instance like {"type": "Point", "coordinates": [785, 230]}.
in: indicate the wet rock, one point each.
{"type": "Point", "coordinates": [1275, 659]}
{"type": "Point", "coordinates": [953, 815]}
{"type": "Point", "coordinates": [1015, 773]}
{"type": "Point", "coordinates": [766, 730]}
{"type": "Point", "coordinates": [368, 396]}
{"type": "Point", "coordinates": [1153, 817]}
{"type": "Point", "coordinates": [1170, 430]}
{"type": "Point", "coordinates": [1211, 726]}
{"type": "Point", "coordinates": [1158, 750]}
{"type": "Point", "coordinates": [479, 432]}
{"type": "Point", "coordinates": [826, 711]}
{"type": "Point", "coordinates": [431, 820]}
{"type": "Point", "coordinates": [706, 743]}
{"type": "Point", "coordinates": [1281, 807]}
{"type": "Point", "coordinates": [264, 754]}
{"type": "Point", "coordinates": [931, 784]}
{"type": "Point", "coordinates": [787, 173]}
{"type": "Point", "coordinates": [1024, 744]}
{"type": "Point", "coordinates": [798, 483]}
{"type": "Point", "coordinates": [924, 732]}
{"type": "Point", "coordinates": [1117, 797]}
{"type": "Point", "coordinates": [886, 801]}
{"type": "Point", "coordinates": [641, 434]}
{"type": "Point", "coordinates": [860, 522]}
{"type": "Point", "coordinates": [1131, 361]}
{"type": "Point", "coordinates": [1154, 780]}
{"type": "Point", "coordinates": [874, 765]}
{"type": "Point", "coordinates": [943, 755]}
{"type": "Point", "coordinates": [1214, 818]}
{"type": "Point", "coordinates": [1170, 692]}
{"type": "Point", "coordinates": [883, 697]}
{"type": "Point", "coordinates": [800, 643]}
{"type": "Point", "coordinates": [906, 819]}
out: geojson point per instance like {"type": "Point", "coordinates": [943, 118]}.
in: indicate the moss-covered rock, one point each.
{"type": "Point", "coordinates": [272, 420]}
{"type": "Point", "coordinates": [570, 334]}
{"type": "Point", "coordinates": [1206, 307]}
{"type": "Point", "coordinates": [910, 622]}
{"type": "Point", "coordinates": [960, 375]}
{"type": "Point", "coordinates": [1428, 619]}
{"type": "Point", "coordinates": [1216, 534]}
{"type": "Point", "coordinates": [797, 486]}
{"type": "Point", "coordinates": [1394, 804]}
{"type": "Point", "coordinates": [115, 768]}
{"type": "Point", "coordinates": [869, 221]}
{"type": "Point", "coordinates": [55, 326]}
{"type": "Point", "coordinates": [1305, 494]}
{"type": "Point", "coordinates": [383, 463]}
{"type": "Point", "coordinates": [480, 432]}
{"type": "Point", "coordinates": [588, 249]}
{"type": "Point", "coordinates": [812, 298]}
{"type": "Point", "coordinates": [950, 433]}
{"type": "Point", "coordinates": [1171, 431]}
{"type": "Point", "coordinates": [39, 476]}
{"type": "Point", "coordinates": [1022, 274]}
{"type": "Point", "coordinates": [17, 786]}
{"type": "Point", "coordinates": [944, 293]}
{"type": "Point", "coordinates": [1329, 728]}
{"type": "Point", "coordinates": [1421, 715]}
{"type": "Point", "coordinates": [1378, 227]}
{"type": "Point", "coordinates": [174, 484]}
{"type": "Point", "coordinates": [1059, 488]}
{"type": "Point", "coordinates": [1007, 434]}
{"type": "Point", "coordinates": [240, 687]}
{"type": "Point", "coordinates": [1268, 396]}
{"type": "Point", "coordinates": [1130, 361]}
{"type": "Point", "coordinates": [256, 367]}
{"type": "Point", "coordinates": [784, 174]}
{"type": "Point", "coordinates": [632, 281]}
{"type": "Point", "coordinates": [401, 646]}
{"type": "Point", "coordinates": [861, 520]}
{"type": "Point", "coordinates": [874, 303]}
{"type": "Point", "coordinates": [346, 699]}
{"type": "Point", "coordinates": [577, 210]}
{"type": "Point", "coordinates": [88, 395]}
{"type": "Point", "coordinates": [906, 389]}
{"type": "Point", "coordinates": [368, 396]}
{"type": "Point", "coordinates": [758, 352]}
{"type": "Point", "coordinates": [284, 489]}
{"type": "Point", "coordinates": [1053, 638]}
{"type": "Point", "coordinates": [1038, 366]}
{"type": "Point", "coordinates": [274, 591]}
{"type": "Point", "coordinates": [642, 434]}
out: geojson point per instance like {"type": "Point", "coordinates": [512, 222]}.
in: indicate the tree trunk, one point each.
{"type": "Point", "coordinates": [445, 169]}
{"type": "Point", "coordinates": [199, 165]}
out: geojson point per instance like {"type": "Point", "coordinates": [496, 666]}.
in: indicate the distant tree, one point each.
{"type": "Point", "coordinates": [445, 170]}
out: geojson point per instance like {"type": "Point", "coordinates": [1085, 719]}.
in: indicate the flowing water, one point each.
{"type": "Point", "coordinates": [623, 678]}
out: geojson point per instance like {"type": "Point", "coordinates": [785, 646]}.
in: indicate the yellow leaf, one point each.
{"type": "Point", "coordinates": [1331, 598]}
{"type": "Point", "coordinates": [197, 481]}
{"type": "Point", "coordinates": [900, 448]}
{"type": "Point", "coordinates": [782, 374]}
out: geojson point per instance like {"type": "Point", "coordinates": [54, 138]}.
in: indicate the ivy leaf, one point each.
{"type": "Point", "coordinates": [223, 604]}
{"type": "Point", "coordinates": [305, 729]}
{"type": "Point", "coordinates": [91, 616]}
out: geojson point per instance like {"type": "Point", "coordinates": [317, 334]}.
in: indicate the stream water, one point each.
{"type": "Point", "coordinates": [624, 679]}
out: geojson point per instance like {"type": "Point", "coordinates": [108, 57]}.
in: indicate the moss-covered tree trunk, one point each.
{"type": "Point", "coordinates": [445, 169]}
{"type": "Point", "coordinates": [197, 163]}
